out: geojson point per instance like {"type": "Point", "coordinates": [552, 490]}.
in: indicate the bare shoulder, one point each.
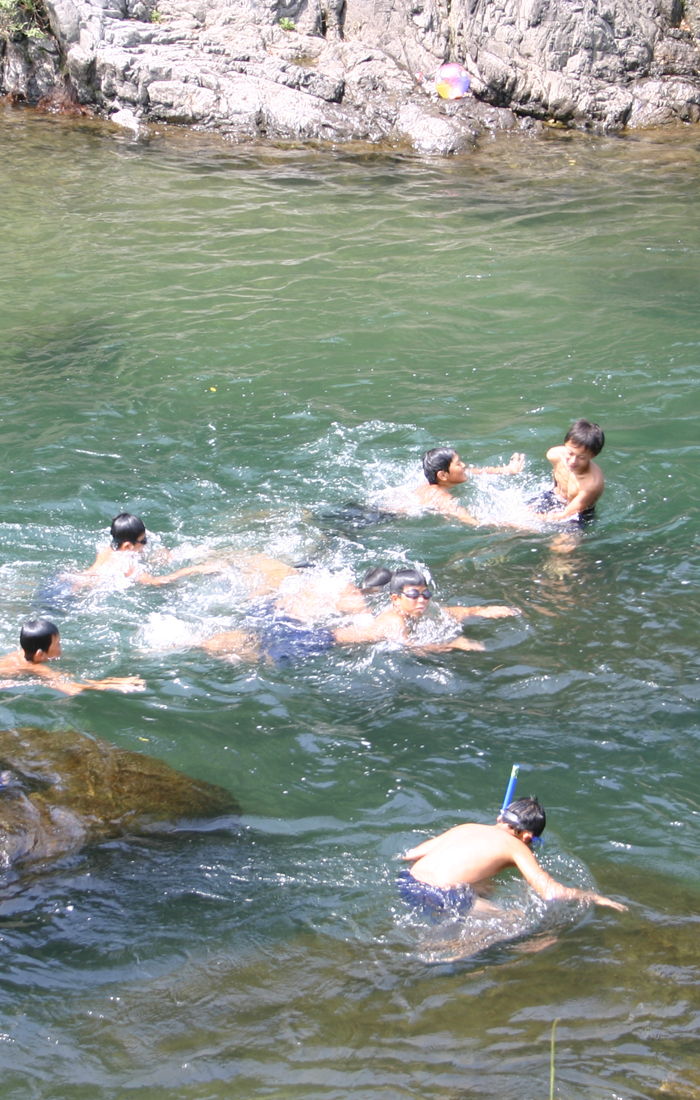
{"type": "Point", "coordinates": [555, 454]}
{"type": "Point", "coordinates": [14, 663]}
{"type": "Point", "coordinates": [103, 556]}
{"type": "Point", "coordinates": [389, 625]}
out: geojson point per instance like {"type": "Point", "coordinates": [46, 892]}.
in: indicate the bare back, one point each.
{"type": "Point", "coordinates": [470, 854]}
{"type": "Point", "coordinates": [467, 854]}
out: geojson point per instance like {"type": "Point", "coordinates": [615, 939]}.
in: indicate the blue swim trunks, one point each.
{"type": "Point", "coordinates": [434, 899]}
{"type": "Point", "coordinates": [286, 639]}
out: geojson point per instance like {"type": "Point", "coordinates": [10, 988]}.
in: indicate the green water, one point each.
{"type": "Point", "coordinates": [229, 342]}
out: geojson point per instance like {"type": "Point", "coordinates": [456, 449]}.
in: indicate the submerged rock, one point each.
{"type": "Point", "coordinates": [355, 70]}
{"type": "Point", "coordinates": [64, 790]}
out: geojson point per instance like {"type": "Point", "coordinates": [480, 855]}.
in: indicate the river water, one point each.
{"type": "Point", "coordinates": [231, 342]}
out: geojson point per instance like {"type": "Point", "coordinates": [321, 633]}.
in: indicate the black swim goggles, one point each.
{"type": "Point", "coordinates": [415, 593]}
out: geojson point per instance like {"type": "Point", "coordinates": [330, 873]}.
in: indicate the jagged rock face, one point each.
{"type": "Point", "coordinates": [350, 68]}
{"type": "Point", "coordinates": [66, 790]}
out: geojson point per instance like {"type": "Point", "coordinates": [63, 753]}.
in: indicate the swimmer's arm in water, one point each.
{"type": "Point", "coordinates": [514, 466]}
{"type": "Point", "coordinates": [234, 645]}
{"type": "Point", "coordinates": [101, 559]}
{"type": "Point", "coordinates": [443, 502]}
{"type": "Point", "coordinates": [548, 887]}
{"type": "Point", "coordinates": [188, 571]}
{"type": "Point", "coordinates": [438, 499]}
{"type": "Point", "coordinates": [16, 665]}
{"type": "Point", "coordinates": [494, 611]}
{"type": "Point", "coordinates": [586, 498]}
{"type": "Point", "coordinates": [390, 627]}
{"type": "Point", "coordinates": [422, 849]}
{"type": "Point", "coordinates": [124, 684]}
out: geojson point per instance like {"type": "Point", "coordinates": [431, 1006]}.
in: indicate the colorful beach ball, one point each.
{"type": "Point", "coordinates": [451, 81]}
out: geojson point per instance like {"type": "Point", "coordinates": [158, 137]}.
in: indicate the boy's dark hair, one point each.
{"type": "Point", "coordinates": [405, 578]}
{"type": "Point", "coordinates": [525, 813]}
{"type": "Point", "coordinates": [126, 528]}
{"type": "Point", "coordinates": [440, 458]}
{"type": "Point", "coordinates": [377, 577]}
{"type": "Point", "coordinates": [584, 433]}
{"type": "Point", "coordinates": [36, 635]}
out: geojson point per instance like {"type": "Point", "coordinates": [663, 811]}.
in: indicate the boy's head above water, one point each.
{"type": "Point", "coordinates": [584, 433]}
{"type": "Point", "coordinates": [443, 466]}
{"type": "Point", "coordinates": [128, 529]}
{"type": "Point", "coordinates": [40, 640]}
{"type": "Point", "coordinates": [524, 815]}
{"type": "Point", "coordinates": [409, 592]}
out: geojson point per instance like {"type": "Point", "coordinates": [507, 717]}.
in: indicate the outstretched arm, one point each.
{"type": "Point", "coordinates": [493, 611]}
{"type": "Point", "coordinates": [583, 500]}
{"type": "Point", "coordinates": [422, 849]}
{"type": "Point", "coordinates": [389, 628]}
{"type": "Point", "coordinates": [551, 890]}
{"type": "Point", "coordinates": [514, 466]}
{"type": "Point", "coordinates": [61, 681]}
{"type": "Point", "coordinates": [442, 502]}
{"type": "Point", "coordinates": [207, 567]}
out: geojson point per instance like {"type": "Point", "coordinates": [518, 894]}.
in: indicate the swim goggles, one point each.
{"type": "Point", "coordinates": [415, 594]}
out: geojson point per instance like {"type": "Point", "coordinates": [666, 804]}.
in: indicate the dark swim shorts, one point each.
{"type": "Point", "coordinates": [354, 517]}
{"type": "Point", "coordinates": [56, 594]}
{"type": "Point", "coordinates": [550, 502]}
{"type": "Point", "coordinates": [286, 639]}
{"type": "Point", "coordinates": [434, 899]}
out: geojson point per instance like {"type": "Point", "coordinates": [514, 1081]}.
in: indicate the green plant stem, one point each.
{"type": "Point", "coordinates": [551, 1060]}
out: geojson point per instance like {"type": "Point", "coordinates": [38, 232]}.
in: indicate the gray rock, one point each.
{"type": "Point", "coordinates": [364, 69]}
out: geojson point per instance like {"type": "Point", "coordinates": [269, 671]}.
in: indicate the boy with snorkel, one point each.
{"type": "Point", "coordinates": [449, 870]}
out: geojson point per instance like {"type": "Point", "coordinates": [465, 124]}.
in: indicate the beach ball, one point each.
{"type": "Point", "coordinates": [451, 81]}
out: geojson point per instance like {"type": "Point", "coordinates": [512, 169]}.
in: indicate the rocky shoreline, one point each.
{"type": "Point", "coordinates": [360, 70]}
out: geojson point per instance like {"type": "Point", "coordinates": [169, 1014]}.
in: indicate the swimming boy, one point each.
{"type": "Point", "coordinates": [449, 870]}
{"type": "Point", "coordinates": [410, 596]}
{"type": "Point", "coordinates": [578, 481]}
{"type": "Point", "coordinates": [294, 637]}
{"type": "Point", "coordinates": [40, 642]}
{"type": "Point", "coordinates": [129, 540]}
{"type": "Point", "coordinates": [444, 470]}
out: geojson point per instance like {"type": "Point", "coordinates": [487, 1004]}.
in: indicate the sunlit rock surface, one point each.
{"type": "Point", "coordinates": [64, 790]}
{"type": "Point", "coordinates": [363, 71]}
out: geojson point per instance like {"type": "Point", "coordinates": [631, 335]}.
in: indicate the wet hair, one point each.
{"type": "Point", "coordinates": [525, 813]}
{"type": "Point", "coordinates": [377, 577]}
{"type": "Point", "coordinates": [404, 578]}
{"type": "Point", "coordinates": [440, 458]}
{"type": "Point", "coordinates": [126, 528]}
{"type": "Point", "coordinates": [584, 433]}
{"type": "Point", "coordinates": [35, 635]}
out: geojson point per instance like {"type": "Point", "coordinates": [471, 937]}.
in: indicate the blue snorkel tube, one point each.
{"type": "Point", "coordinates": [510, 789]}
{"type": "Point", "coordinates": [536, 841]}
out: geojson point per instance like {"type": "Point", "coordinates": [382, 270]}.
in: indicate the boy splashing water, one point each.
{"type": "Point", "coordinates": [578, 481]}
